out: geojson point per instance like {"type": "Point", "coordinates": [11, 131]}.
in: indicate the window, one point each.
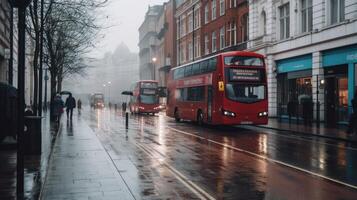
{"type": "Point", "coordinates": [214, 41]}
{"type": "Point", "coordinates": [196, 14]}
{"type": "Point", "coordinates": [190, 23]}
{"type": "Point", "coordinates": [197, 47]}
{"type": "Point", "coordinates": [182, 53]}
{"type": "Point", "coordinates": [195, 93]}
{"type": "Point", "coordinates": [206, 14]}
{"type": "Point", "coordinates": [337, 11]}
{"type": "Point", "coordinates": [190, 51]}
{"type": "Point", "coordinates": [263, 23]}
{"type": "Point", "coordinates": [306, 15]}
{"type": "Point", "coordinates": [196, 69]}
{"type": "Point", "coordinates": [221, 38]}
{"type": "Point", "coordinates": [188, 70]}
{"type": "Point", "coordinates": [245, 27]}
{"type": "Point", "coordinates": [222, 7]}
{"type": "Point", "coordinates": [206, 45]}
{"type": "Point", "coordinates": [284, 21]}
{"type": "Point", "coordinates": [182, 26]}
{"type": "Point", "coordinates": [178, 29]}
{"type": "Point", "coordinates": [212, 64]}
{"type": "Point", "coordinates": [234, 33]}
{"type": "Point", "coordinates": [204, 66]}
{"type": "Point", "coordinates": [214, 9]}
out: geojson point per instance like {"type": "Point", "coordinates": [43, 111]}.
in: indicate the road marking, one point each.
{"type": "Point", "coordinates": [199, 192]}
{"type": "Point", "coordinates": [265, 158]}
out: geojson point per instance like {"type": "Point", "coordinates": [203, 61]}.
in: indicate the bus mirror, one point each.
{"type": "Point", "coordinates": [220, 86]}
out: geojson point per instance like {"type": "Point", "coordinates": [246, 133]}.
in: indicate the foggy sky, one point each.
{"type": "Point", "coordinates": [124, 18]}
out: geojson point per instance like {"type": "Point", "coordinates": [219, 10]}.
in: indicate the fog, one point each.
{"type": "Point", "coordinates": [116, 61]}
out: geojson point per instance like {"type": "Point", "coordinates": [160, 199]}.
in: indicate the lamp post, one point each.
{"type": "Point", "coordinates": [109, 90]}
{"type": "Point", "coordinates": [21, 5]}
{"type": "Point", "coordinates": [154, 59]}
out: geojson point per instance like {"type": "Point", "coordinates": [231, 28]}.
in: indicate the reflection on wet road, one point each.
{"type": "Point", "coordinates": [164, 159]}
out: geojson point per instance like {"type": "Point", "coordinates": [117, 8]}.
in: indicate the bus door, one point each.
{"type": "Point", "coordinates": [209, 103]}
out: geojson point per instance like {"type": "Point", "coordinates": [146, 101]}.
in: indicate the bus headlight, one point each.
{"type": "Point", "coordinates": [141, 108]}
{"type": "Point", "coordinates": [229, 113]}
{"type": "Point", "coordinates": [263, 114]}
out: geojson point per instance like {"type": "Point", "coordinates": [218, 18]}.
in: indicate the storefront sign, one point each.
{"type": "Point", "coordinates": [295, 64]}
{"type": "Point", "coordinates": [340, 56]}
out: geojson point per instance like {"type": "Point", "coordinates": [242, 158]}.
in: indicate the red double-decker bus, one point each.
{"type": "Point", "coordinates": [229, 89]}
{"type": "Point", "coordinates": [145, 98]}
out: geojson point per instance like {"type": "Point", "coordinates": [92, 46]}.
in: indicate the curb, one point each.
{"type": "Point", "coordinates": [310, 134]}
{"type": "Point", "coordinates": [54, 140]}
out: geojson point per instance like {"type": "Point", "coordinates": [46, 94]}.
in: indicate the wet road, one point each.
{"type": "Point", "coordinates": [164, 159]}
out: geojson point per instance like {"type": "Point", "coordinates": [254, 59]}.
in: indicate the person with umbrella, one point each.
{"type": "Point", "coordinates": [70, 105]}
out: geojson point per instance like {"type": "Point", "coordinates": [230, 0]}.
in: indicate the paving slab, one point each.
{"type": "Point", "coordinates": [80, 168]}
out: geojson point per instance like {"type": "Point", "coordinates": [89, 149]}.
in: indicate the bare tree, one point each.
{"type": "Point", "coordinates": [70, 31]}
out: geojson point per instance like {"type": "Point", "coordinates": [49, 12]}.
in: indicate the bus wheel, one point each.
{"type": "Point", "coordinates": [200, 118]}
{"type": "Point", "coordinates": [177, 116]}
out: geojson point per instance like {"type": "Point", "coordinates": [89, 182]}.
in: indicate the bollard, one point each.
{"type": "Point", "coordinates": [126, 120]}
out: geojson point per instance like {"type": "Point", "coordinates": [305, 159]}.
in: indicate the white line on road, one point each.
{"type": "Point", "coordinates": [199, 192]}
{"type": "Point", "coordinates": [265, 158]}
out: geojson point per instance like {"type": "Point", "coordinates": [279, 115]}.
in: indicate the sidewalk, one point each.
{"type": "Point", "coordinates": [322, 131]}
{"type": "Point", "coordinates": [80, 168]}
{"type": "Point", "coordinates": [35, 165]}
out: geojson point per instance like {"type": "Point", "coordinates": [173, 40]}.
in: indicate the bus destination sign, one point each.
{"type": "Point", "coordinates": [244, 75]}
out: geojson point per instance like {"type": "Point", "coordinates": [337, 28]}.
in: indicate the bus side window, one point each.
{"type": "Point", "coordinates": [180, 73]}
{"type": "Point", "coordinates": [196, 69]}
{"type": "Point", "coordinates": [175, 74]}
{"type": "Point", "coordinates": [203, 66]}
{"type": "Point", "coordinates": [188, 70]}
{"type": "Point", "coordinates": [212, 64]}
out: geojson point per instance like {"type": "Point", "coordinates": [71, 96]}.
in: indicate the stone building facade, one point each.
{"type": "Point", "coordinates": [311, 53]}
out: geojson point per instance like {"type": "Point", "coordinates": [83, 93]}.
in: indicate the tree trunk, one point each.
{"type": "Point", "coordinates": [53, 93]}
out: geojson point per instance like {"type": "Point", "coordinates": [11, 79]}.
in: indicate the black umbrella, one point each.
{"type": "Point", "coordinates": [127, 93]}
{"type": "Point", "coordinates": [65, 93]}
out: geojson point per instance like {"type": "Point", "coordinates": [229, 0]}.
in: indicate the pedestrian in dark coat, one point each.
{"type": "Point", "coordinates": [70, 104]}
{"type": "Point", "coordinates": [352, 125]}
{"type": "Point", "coordinates": [58, 105]}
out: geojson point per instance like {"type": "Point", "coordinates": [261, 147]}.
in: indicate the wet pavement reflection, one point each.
{"type": "Point", "coordinates": [160, 158]}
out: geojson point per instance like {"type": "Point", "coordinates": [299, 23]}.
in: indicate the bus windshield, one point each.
{"type": "Point", "coordinates": [245, 93]}
{"type": "Point", "coordinates": [149, 99]}
{"type": "Point", "coordinates": [243, 61]}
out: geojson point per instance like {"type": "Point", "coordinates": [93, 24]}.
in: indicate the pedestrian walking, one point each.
{"type": "Point", "coordinates": [79, 106]}
{"type": "Point", "coordinates": [123, 106]}
{"type": "Point", "coordinates": [352, 124]}
{"type": "Point", "coordinates": [70, 104]}
{"type": "Point", "coordinates": [58, 105]}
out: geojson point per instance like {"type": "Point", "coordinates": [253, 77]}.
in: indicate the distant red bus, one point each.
{"type": "Point", "coordinates": [145, 97]}
{"type": "Point", "coordinates": [228, 89]}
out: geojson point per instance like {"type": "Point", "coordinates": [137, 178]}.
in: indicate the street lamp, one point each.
{"type": "Point", "coordinates": [154, 59]}
{"type": "Point", "coordinates": [21, 5]}
{"type": "Point", "coordinates": [109, 90]}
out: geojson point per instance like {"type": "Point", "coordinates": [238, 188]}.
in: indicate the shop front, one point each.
{"type": "Point", "coordinates": [294, 86]}
{"type": "Point", "coordinates": [339, 68]}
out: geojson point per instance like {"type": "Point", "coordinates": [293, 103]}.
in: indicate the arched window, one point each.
{"type": "Point", "coordinates": [262, 23]}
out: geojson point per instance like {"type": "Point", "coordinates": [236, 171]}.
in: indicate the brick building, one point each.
{"type": "Point", "coordinates": [166, 51]}
{"type": "Point", "coordinates": [206, 27]}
